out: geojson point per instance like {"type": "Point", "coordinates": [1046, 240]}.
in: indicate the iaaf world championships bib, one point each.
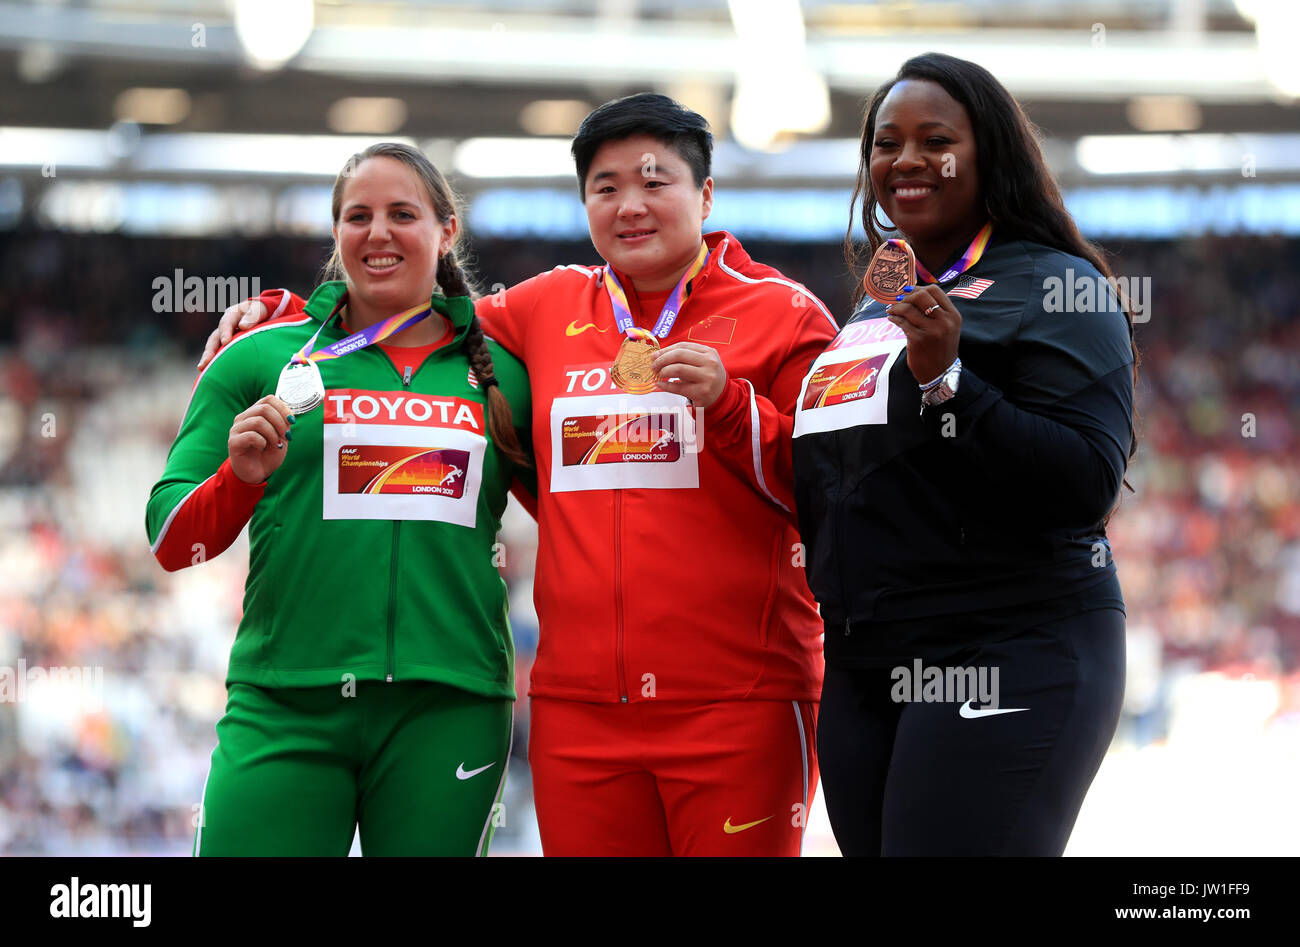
{"type": "Point", "coordinates": [397, 455]}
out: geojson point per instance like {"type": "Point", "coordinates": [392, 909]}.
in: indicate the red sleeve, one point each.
{"type": "Point", "coordinates": [752, 430]}
{"type": "Point", "coordinates": [208, 520]}
{"type": "Point", "coordinates": [281, 302]}
{"type": "Point", "coordinates": [278, 303]}
{"type": "Point", "coordinates": [526, 499]}
{"type": "Point", "coordinates": [504, 316]}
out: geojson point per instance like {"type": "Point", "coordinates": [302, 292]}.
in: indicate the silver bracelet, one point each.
{"type": "Point", "coordinates": [942, 375]}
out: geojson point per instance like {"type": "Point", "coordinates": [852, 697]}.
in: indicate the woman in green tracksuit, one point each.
{"type": "Point", "coordinates": [372, 677]}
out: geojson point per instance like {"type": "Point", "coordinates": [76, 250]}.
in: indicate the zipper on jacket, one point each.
{"type": "Point", "coordinates": [838, 545]}
{"type": "Point", "coordinates": [618, 594]}
{"type": "Point", "coordinates": [837, 533]}
{"type": "Point", "coordinates": [392, 599]}
{"type": "Point", "coordinates": [397, 532]}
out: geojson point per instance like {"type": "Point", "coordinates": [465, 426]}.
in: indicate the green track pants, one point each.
{"type": "Point", "coordinates": [418, 766]}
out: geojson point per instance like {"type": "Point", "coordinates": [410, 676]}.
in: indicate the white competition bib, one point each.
{"type": "Point", "coordinates": [613, 441]}
{"type": "Point", "coordinates": [849, 383]}
{"type": "Point", "coordinates": [398, 455]}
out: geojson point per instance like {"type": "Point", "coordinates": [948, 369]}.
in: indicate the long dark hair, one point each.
{"type": "Point", "coordinates": [1019, 192]}
{"type": "Point", "coordinates": [450, 278]}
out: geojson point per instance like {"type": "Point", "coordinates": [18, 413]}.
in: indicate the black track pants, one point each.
{"type": "Point", "coordinates": [942, 775]}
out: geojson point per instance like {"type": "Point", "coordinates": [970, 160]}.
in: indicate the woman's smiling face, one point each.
{"type": "Point", "coordinates": [644, 210]}
{"type": "Point", "coordinates": [389, 236]}
{"type": "Point", "coordinates": [924, 169]}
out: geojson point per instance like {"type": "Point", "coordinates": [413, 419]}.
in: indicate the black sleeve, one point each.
{"type": "Point", "coordinates": [1059, 468]}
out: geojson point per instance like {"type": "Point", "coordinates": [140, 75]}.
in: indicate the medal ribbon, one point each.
{"type": "Point", "coordinates": [367, 336]}
{"type": "Point", "coordinates": [668, 315]}
{"type": "Point", "coordinates": [967, 260]}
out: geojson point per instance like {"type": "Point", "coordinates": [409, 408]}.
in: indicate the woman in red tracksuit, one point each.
{"type": "Point", "coordinates": [679, 663]}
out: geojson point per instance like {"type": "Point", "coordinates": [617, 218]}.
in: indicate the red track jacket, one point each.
{"type": "Point", "coordinates": [668, 566]}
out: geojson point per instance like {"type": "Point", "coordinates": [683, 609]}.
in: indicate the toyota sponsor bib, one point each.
{"type": "Point", "coordinates": [611, 440]}
{"type": "Point", "coordinates": [402, 456]}
{"type": "Point", "coordinates": [849, 382]}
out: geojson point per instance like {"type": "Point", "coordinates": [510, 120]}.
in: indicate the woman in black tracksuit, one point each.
{"type": "Point", "coordinates": [957, 454]}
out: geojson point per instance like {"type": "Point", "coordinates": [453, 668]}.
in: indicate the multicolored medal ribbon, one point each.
{"type": "Point", "coordinates": [631, 370]}
{"type": "Point", "coordinates": [965, 262]}
{"type": "Point", "coordinates": [301, 386]}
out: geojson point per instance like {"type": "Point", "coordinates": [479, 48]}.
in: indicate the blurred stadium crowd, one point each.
{"type": "Point", "coordinates": [93, 383]}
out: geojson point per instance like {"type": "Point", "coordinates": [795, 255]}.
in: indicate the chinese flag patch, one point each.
{"type": "Point", "coordinates": [716, 330]}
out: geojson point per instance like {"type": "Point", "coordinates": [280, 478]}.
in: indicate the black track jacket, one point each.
{"type": "Point", "coordinates": [925, 532]}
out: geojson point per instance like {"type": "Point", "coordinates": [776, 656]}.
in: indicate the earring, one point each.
{"type": "Point", "coordinates": [876, 220]}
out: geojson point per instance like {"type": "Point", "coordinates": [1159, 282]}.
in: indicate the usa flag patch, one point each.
{"type": "Point", "coordinates": [968, 287]}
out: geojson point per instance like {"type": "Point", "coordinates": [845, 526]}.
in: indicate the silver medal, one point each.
{"type": "Point", "coordinates": [300, 387]}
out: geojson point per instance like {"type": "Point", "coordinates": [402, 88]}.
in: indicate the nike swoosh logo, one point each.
{"type": "Point", "coordinates": [461, 774]}
{"type": "Point", "coordinates": [970, 713]}
{"type": "Point", "coordinates": [572, 328]}
{"type": "Point", "coordinates": [733, 829]}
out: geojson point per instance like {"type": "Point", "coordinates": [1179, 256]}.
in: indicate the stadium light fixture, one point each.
{"type": "Point", "coordinates": [1164, 113]}
{"type": "Point", "coordinates": [1197, 154]}
{"type": "Point", "coordinates": [227, 153]}
{"type": "Point", "coordinates": [362, 115]}
{"type": "Point", "coordinates": [551, 117]}
{"type": "Point", "coordinates": [39, 62]}
{"type": "Point", "coordinates": [152, 106]}
{"type": "Point", "coordinates": [514, 158]}
{"type": "Point", "coordinates": [273, 31]}
{"type": "Point", "coordinates": [54, 148]}
{"type": "Point", "coordinates": [770, 103]}
{"type": "Point", "coordinates": [1277, 23]}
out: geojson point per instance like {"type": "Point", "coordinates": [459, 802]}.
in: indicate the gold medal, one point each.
{"type": "Point", "coordinates": [892, 267]}
{"type": "Point", "coordinates": [631, 370]}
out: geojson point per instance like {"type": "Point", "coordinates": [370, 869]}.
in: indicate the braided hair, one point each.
{"type": "Point", "coordinates": [451, 279]}
{"type": "Point", "coordinates": [500, 417]}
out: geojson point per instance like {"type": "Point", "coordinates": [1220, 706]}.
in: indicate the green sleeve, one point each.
{"type": "Point", "coordinates": [231, 384]}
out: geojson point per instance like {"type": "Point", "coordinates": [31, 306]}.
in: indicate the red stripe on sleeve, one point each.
{"type": "Point", "coordinates": [208, 520]}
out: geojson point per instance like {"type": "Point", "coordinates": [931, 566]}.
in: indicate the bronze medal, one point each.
{"type": "Point", "coordinates": [631, 370]}
{"type": "Point", "coordinates": [892, 267]}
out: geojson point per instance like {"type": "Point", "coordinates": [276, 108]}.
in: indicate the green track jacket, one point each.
{"type": "Point", "coordinates": [373, 546]}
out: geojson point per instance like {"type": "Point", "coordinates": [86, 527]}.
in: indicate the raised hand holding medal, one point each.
{"type": "Point", "coordinates": [259, 436]}
{"type": "Point", "coordinates": [694, 371]}
{"type": "Point", "coordinates": [691, 370]}
{"type": "Point", "coordinates": [926, 315]}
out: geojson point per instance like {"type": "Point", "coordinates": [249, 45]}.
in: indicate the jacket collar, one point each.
{"type": "Point", "coordinates": [459, 310]}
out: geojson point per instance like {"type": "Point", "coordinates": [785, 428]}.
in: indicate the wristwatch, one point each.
{"type": "Point", "coordinates": [942, 388]}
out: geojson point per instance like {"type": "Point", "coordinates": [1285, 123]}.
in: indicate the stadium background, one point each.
{"type": "Point", "coordinates": [138, 139]}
